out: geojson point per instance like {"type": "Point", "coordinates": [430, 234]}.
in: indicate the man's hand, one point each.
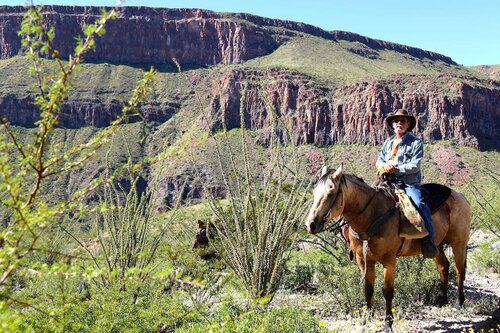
{"type": "Point", "coordinates": [389, 167]}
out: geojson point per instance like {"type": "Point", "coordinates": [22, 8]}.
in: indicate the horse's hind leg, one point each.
{"type": "Point", "coordinates": [460, 253]}
{"type": "Point", "coordinates": [443, 266]}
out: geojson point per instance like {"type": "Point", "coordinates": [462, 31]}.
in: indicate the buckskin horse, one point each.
{"type": "Point", "coordinates": [375, 219]}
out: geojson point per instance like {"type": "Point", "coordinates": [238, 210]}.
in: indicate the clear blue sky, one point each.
{"type": "Point", "coordinates": [466, 30]}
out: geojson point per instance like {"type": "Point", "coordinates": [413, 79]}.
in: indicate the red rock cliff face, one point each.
{"type": "Point", "coordinates": [78, 113]}
{"type": "Point", "coordinates": [445, 107]}
{"type": "Point", "coordinates": [190, 36]}
{"type": "Point", "coordinates": [147, 35]}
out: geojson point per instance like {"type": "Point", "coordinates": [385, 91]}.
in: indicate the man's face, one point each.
{"type": "Point", "coordinates": [400, 125]}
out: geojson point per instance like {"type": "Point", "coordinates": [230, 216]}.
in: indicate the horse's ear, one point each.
{"type": "Point", "coordinates": [201, 224]}
{"type": "Point", "coordinates": [324, 171]}
{"type": "Point", "coordinates": [339, 171]}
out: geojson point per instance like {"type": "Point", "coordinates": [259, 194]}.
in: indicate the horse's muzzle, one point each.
{"type": "Point", "coordinates": [314, 227]}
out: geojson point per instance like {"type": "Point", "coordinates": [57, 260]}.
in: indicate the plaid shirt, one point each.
{"type": "Point", "coordinates": [409, 156]}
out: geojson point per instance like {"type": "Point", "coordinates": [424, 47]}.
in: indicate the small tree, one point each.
{"type": "Point", "coordinates": [26, 165]}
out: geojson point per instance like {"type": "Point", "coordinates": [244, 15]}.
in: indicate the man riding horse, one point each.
{"type": "Point", "coordinates": [375, 221]}
{"type": "Point", "coordinates": [399, 161]}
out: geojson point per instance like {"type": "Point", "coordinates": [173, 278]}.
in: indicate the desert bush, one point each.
{"type": "Point", "coordinates": [487, 257]}
{"type": "Point", "coordinates": [113, 309]}
{"type": "Point", "coordinates": [334, 274]}
{"type": "Point", "coordinates": [417, 282]}
{"type": "Point", "coordinates": [299, 276]}
{"type": "Point", "coordinates": [127, 235]}
{"type": "Point", "coordinates": [266, 203]}
{"type": "Point", "coordinates": [342, 279]}
{"type": "Point", "coordinates": [231, 317]}
{"type": "Point", "coordinates": [484, 200]}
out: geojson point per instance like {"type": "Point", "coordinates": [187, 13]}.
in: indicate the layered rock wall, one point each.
{"type": "Point", "coordinates": [79, 113]}
{"type": "Point", "coordinates": [192, 37]}
{"type": "Point", "coordinates": [147, 36]}
{"type": "Point", "coordinates": [445, 107]}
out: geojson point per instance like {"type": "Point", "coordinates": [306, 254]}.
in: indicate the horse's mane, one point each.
{"type": "Point", "coordinates": [350, 177]}
{"type": "Point", "coordinates": [358, 180]}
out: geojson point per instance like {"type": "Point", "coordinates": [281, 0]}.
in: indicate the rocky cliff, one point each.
{"type": "Point", "coordinates": [78, 113]}
{"type": "Point", "coordinates": [192, 37]}
{"type": "Point", "coordinates": [446, 107]}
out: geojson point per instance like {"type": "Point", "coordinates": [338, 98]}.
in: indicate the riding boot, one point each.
{"type": "Point", "coordinates": [429, 249]}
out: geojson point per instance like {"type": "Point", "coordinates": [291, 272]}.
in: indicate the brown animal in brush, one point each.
{"type": "Point", "coordinates": [202, 239]}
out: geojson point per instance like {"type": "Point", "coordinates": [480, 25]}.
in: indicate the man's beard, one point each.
{"type": "Point", "coordinates": [399, 131]}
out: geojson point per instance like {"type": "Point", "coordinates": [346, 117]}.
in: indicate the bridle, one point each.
{"type": "Point", "coordinates": [341, 222]}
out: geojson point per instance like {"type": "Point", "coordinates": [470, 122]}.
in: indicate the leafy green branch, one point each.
{"type": "Point", "coordinates": [25, 166]}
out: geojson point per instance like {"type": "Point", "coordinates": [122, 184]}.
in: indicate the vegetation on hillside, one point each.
{"type": "Point", "coordinates": [343, 62]}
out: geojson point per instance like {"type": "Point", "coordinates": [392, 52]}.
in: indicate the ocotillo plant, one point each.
{"type": "Point", "coordinates": [266, 202]}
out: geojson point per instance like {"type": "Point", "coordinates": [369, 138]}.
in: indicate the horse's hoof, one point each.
{"type": "Point", "coordinates": [387, 325]}
{"type": "Point", "coordinates": [459, 304]}
{"type": "Point", "coordinates": [441, 301]}
{"type": "Point", "coordinates": [368, 315]}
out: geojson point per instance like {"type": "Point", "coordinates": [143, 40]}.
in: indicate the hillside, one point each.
{"type": "Point", "coordinates": [489, 71]}
{"type": "Point", "coordinates": [337, 82]}
{"type": "Point", "coordinates": [333, 87]}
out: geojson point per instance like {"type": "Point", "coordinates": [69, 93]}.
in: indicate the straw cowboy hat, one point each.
{"type": "Point", "coordinates": [401, 113]}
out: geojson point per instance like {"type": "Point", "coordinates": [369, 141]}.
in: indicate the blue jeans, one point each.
{"type": "Point", "coordinates": [415, 194]}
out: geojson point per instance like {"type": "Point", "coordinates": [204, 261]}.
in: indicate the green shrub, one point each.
{"type": "Point", "coordinates": [230, 317]}
{"type": "Point", "coordinates": [145, 306]}
{"type": "Point", "coordinates": [342, 279]}
{"type": "Point", "coordinates": [417, 280]}
{"type": "Point", "coordinates": [299, 276]}
{"type": "Point", "coordinates": [486, 258]}
{"type": "Point", "coordinates": [28, 164]}
{"type": "Point", "coordinates": [266, 203]}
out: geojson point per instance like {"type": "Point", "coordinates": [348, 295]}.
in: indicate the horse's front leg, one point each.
{"type": "Point", "coordinates": [388, 289]}
{"type": "Point", "coordinates": [369, 279]}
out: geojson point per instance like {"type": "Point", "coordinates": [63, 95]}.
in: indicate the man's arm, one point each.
{"type": "Point", "coordinates": [413, 166]}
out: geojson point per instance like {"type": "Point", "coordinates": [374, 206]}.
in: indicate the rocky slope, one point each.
{"type": "Point", "coordinates": [347, 104]}
{"type": "Point", "coordinates": [489, 71]}
{"type": "Point", "coordinates": [190, 36]}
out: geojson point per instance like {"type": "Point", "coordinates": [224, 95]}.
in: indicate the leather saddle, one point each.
{"type": "Point", "coordinates": [435, 195]}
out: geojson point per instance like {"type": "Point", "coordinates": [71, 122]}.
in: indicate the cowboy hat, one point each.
{"type": "Point", "coordinates": [401, 113]}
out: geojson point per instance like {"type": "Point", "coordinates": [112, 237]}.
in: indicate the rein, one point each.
{"type": "Point", "coordinates": [372, 228]}
{"type": "Point", "coordinates": [341, 222]}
